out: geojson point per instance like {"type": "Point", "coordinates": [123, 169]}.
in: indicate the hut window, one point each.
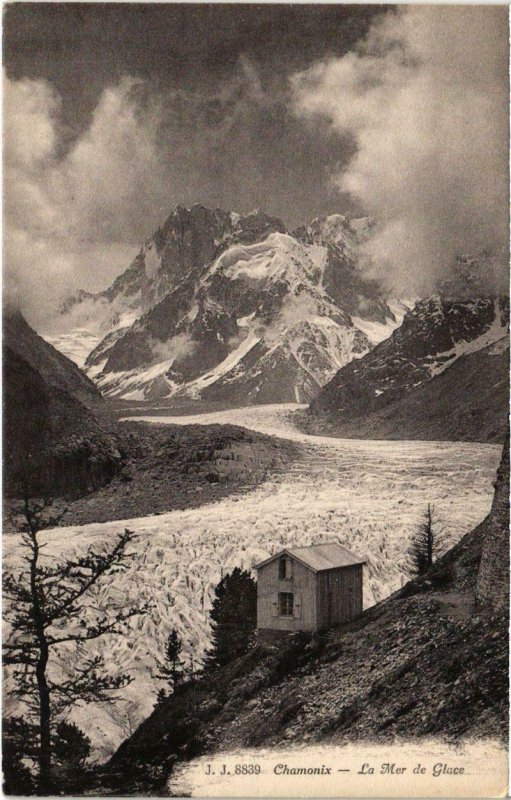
{"type": "Point", "coordinates": [286, 604]}
{"type": "Point", "coordinates": [285, 569]}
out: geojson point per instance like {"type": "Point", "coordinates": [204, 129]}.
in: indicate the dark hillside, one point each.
{"type": "Point", "coordinates": [428, 661]}
{"type": "Point", "coordinates": [169, 467]}
{"type": "Point", "coordinates": [442, 375]}
{"type": "Point", "coordinates": [54, 367]}
{"type": "Point", "coordinates": [467, 402]}
{"type": "Point", "coordinates": [50, 438]}
{"type": "Point", "coordinates": [493, 578]}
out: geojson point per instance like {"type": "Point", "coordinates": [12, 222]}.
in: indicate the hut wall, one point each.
{"type": "Point", "coordinates": [302, 584]}
{"type": "Point", "coordinates": [339, 595]}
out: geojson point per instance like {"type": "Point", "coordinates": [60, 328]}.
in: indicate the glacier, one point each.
{"type": "Point", "coordinates": [368, 495]}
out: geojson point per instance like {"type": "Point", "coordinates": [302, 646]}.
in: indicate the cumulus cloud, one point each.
{"type": "Point", "coordinates": [73, 216]}
{"type": "Point", "coordinates": [76, 214]}
{"type": "Point", "coordinates": [425, 97]}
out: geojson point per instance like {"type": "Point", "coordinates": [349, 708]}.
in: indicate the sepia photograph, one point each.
{"type": "Point", "coordinates": [255, 400]}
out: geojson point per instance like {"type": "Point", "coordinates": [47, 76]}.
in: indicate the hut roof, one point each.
{"type": "Point", "coordinates": [319, 557]}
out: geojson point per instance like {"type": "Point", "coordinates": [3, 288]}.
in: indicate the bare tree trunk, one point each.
{"type": "Point", "coordinates": [44, 782]}
{"type": "Point", "coordinates": [44, 720]}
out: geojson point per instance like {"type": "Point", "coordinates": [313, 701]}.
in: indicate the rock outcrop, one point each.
{"type": "Point", "coordinates": [493, 580]}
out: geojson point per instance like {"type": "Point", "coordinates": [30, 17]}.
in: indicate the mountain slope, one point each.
{"type": "Point", "coordinates": [53, 443]}
{"type": "Point", "coordinates": [443, 374]}
{"type": "Point", "coordinates": [54, 367]}
{"type": "Point", "coordinates": [428, 661]}
{"type": "Point", "coordinates": [234, 307]}
{"type": "Point", "coordinates": [51, 435]}
{"type": "Point", "coordinates": [493, 576]}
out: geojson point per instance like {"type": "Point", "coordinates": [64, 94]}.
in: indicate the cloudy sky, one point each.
{"type": "Point", "coordinates": [114, 113]}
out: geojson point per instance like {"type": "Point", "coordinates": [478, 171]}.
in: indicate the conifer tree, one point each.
{"type": "Point", "coordinates": [233, 617]}
{"type": "Point", "coordinates": [44, 609]}
{"type": "Point", "coordinates": [70, 750]}
{"type": "Point", "coordinates": [427, 543]}
{"type": "Point", "coordinates": [171, 669]}
{"type": "Point", "coordinates": [19, 750]}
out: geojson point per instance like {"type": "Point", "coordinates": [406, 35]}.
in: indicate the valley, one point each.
{"type": "Point", "coordinates": [206, 352]}
{"type": "Point", "coordinates": [367, 494]}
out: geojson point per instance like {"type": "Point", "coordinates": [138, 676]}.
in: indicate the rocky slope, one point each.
{"type": "Point", "coordinates": [170, 467]}
{"type": "Point", "coordinates": [428, 661]}
{"type": "Point", "coordinates": [51, 439]}
{"type": "Point", "coordinates": [493, 578]}
{"type": "Point", "coordinates": [441, 375]}
{"type": "Point", "coordinates": [223, 306]}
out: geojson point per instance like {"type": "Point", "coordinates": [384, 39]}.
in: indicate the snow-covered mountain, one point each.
{"type": "Point", "coordinates": [231, 307]}
{"type": "Point", "coordinates": [442, 374]}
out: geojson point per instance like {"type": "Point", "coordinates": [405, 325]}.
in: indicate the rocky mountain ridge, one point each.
{"type": "Point", "coordinates": [442, 374]}
{"type": "Point", "coordinates": [53, 365]}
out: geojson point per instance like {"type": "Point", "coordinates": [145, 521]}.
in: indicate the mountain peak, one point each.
{"type": "Point", "coordinates": [218, 303]}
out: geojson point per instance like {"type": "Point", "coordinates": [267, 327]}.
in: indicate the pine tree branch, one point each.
{"type": "Point", "coordinates": [100, 565]}
{"type": "Point", "coordinates": [114, 627]}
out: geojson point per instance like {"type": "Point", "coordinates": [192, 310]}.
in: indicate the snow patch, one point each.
{"type": "Point", "coordinates": [226, 365]}
{"type": "Point", "coordinates": [500, 346]}
{"type": "Point", "coordinates": [277, 255]}
{"type": "Point", "coordinates": [243, 322]}
{"type": "Point", "coordinates": [377, 332]}
{"type": "Point", "coordinates": [192, 314]}
{"type": "Point", "coordinates": [361, 225]}
{"type": "Point", "coordinates": [96, 369]}
{"type": "Point", "coordinates": [325, 322]}
{"type": "Point", "coordinates": [334, 228]}
{"type": "Point", "coordinates": [132, 382]}
{"type": "Point", "coordinates": [497, 336]}
{"type": "Point", "coordinates": [319, 256]}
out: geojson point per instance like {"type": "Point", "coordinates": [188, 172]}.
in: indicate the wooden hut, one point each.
{"type": "Point", "coordinates": [308, 589]}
